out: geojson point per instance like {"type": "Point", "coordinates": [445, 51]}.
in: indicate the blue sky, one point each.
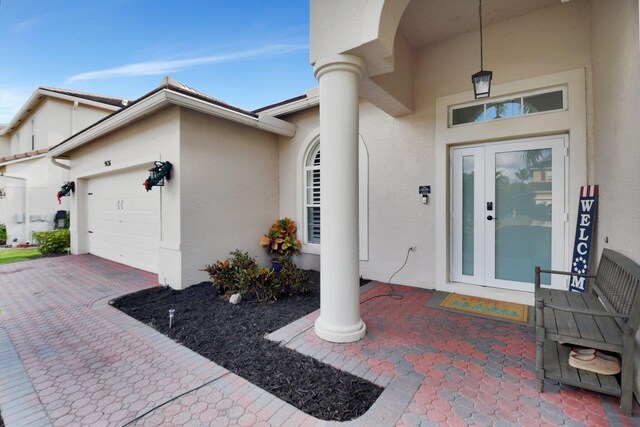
{"type": "Point", "coordinates": [249, 53]}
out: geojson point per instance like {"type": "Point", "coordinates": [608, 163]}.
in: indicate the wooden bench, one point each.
{"type": "Point", "coordinates": [605, 317]}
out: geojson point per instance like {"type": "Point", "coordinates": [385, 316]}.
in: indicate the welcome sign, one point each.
{"type": "Point", "coordinates": [584, 237]}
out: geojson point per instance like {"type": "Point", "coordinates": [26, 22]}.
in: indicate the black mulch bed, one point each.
{"type": "Point", "coordinates": [233, 336]}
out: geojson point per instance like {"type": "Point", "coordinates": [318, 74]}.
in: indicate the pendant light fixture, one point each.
{"type": "Point", "coordinates": [482, 79]}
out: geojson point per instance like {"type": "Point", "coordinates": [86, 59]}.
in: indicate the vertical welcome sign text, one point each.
{"type": "Point", "coordinates": [584, 237]}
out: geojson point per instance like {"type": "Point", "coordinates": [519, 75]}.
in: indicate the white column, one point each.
{"type": "Point", "coordinates": [339, 319]}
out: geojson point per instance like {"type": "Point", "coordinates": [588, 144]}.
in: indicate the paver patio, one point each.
{"type": "Point", "coordinates": [68, 358]}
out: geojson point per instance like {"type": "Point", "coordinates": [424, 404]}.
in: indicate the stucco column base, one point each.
{"type": "Point", "coordinates": [340, 334]}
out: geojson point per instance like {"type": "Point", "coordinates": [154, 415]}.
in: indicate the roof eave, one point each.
{"type": "Point", "coordinates": [312, 99]}
{"type": "Point", "coordinates": [35, 97]}
{"type": "Point", "coordinates": [23, 159]}
{"type": "Point", "coordinates": [160, 99]}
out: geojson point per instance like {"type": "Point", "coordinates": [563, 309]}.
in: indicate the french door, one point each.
{"type": "Point", "coordinates": [508, 212]}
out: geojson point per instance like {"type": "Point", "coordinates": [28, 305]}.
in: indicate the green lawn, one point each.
{"type": "Point", "coordinates": [13, 255]}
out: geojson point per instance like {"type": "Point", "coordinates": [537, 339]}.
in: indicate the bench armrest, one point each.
{"type": "Point", "coordinates": [563, 273]}
{"type": "Point", "coordinates": [568, 273]}
{"type": "Point", "coordinates": [587, 311]}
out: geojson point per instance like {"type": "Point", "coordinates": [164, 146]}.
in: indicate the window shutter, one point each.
{"type": "Point", "coordinates": [312, 195]}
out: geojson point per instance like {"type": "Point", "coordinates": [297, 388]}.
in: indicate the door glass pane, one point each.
{"type": "Point", "coordinates": [523, 214]}
{"type": "Point", "coordinates": [467, 214]}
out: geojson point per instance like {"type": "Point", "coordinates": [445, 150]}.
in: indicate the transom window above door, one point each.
{"type": "Point", "coordinates": [534, 102]}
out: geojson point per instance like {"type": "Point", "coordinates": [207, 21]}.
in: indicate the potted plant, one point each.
{"type": "Point", "coordinates": [281, 241]}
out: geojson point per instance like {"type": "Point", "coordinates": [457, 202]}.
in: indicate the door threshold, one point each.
{"type": "Point", "coordinates": [499, 294]}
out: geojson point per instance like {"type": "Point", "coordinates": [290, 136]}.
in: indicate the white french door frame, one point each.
{"type": "Point", "coordinates": [484, 191]}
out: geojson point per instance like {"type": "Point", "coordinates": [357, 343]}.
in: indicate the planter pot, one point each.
{"type": "Point", "coordinates": [276, 265]}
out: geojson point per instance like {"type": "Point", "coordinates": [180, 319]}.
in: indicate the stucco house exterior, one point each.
{"type": "Point", "coordinates": [222, 194]}
{"type": "Point", "coordinates": [395, 111]}
{"type": "Point", "coordinates": [29, 181]}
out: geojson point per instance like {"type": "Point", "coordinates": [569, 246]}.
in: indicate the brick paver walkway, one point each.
{"type": "Point", "coordinates": [68, 358]}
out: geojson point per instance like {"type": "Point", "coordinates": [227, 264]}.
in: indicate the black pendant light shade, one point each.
{"type": "Point", "coordinates": [482, 79]}
{"type": "Point", "coordinates": [482, 83]}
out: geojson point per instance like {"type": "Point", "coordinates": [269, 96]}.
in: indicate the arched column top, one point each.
{"type": "Point", "coordinates": [340, 62]}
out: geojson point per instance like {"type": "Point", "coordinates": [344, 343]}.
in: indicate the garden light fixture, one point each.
{"type": "Point", "coordinates": [482, 79]}
{"type": "Point", "coordinates": [171, 313]}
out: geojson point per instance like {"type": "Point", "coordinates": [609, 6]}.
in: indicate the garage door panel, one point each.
{"type": "Point", "coordinates": [124, 220]}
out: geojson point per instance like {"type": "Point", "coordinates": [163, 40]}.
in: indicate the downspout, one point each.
{"type": "Point", "coordinates": [27, 221]}
{"type": "Point", "coordinates": [60, 165]}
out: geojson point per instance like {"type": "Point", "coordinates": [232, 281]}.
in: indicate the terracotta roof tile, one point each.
{"type": "Point", "coordinates": [109, 100]}
{"type": "Point", "coordinates": [23, 155]}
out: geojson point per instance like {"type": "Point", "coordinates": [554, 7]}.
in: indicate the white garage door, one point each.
{"type": "Point", "coordinates": [124, 219]}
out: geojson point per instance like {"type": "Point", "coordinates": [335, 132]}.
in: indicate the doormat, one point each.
{"type": "Point", "coordinates": [482, 307]}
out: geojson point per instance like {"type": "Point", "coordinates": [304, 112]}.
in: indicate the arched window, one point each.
{"type": "Point", "coordinates": [309, 159]}
{"type": "Point", "coordinates": [312, 194]}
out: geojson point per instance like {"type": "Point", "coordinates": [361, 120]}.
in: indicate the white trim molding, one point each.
{"type": "Point", "coordinates": [161, 99]}
{"type": "Point", "coordinates": [572, 122]}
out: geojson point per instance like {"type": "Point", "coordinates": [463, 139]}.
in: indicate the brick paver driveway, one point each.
{"type": "Point", "coordinates": [67, 357]}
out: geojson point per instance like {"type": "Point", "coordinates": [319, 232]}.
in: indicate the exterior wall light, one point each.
{"type": "Point", "coordinates": [66, 190]}
{"type": "Point", "coordinates": [157, 175]}
{"type": "Point", "coordinates": [482, 79]}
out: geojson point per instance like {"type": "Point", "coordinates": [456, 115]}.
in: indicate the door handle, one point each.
{"type": "Point", "coordinates": [491, 218]}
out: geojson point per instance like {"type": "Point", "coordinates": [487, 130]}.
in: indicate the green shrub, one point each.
{"type": "Point", "coordinates": [233, 275]}
{"type": "Point", "coordinates": [241, 274]}
{"type": "Point", "coordinates": [3, 233]}
{"type": "Point", "coordinates": [291, 280]}
{"type": "Point", "coordinates": [53, 242]}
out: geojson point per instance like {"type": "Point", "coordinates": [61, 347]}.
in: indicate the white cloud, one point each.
{"type": "Point", "coordinates": [152, 68]}
{"type": "Point", "coordinates": [27, 25]}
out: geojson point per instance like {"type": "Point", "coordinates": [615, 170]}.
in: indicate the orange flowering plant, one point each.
{"type": "Point", "coordinates": [281, 239]}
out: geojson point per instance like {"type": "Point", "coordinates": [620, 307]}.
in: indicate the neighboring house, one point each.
{"type": "Point", "coordinates": [397, 112]}
{"type": "Point", "coordinates": [29, 182]}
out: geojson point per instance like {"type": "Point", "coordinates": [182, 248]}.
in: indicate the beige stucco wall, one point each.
{"type": "Point", "coordinates": [56, 120]}
{"type": "Point", "coordinates": [402, 150]}
{"type": "Point", "coordinates": [223, 192]}
{"type": "Point", "coordinates": [289, 155]}
{"type": "Point", "coordinates": [139, 144]}
{"type": "Point", "coordinates": [5, 146]}
{"type": "Point", "coordinates": [59, 120]}
{"type": "Point", "coordinates": [616, 84]}
{"type": "Point", "coordinates": [43, 181]}
{"type": "Point", "coordinates": [229, 190]}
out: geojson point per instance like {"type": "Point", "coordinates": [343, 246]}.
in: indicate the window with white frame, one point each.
{"type": "Point", "coordinates": [312, 195]}
{"type": "Point", "coordinates": [310, 181]}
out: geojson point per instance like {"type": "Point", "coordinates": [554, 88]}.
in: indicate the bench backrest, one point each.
{"type": "Point", "coordinates": [618, 285]}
